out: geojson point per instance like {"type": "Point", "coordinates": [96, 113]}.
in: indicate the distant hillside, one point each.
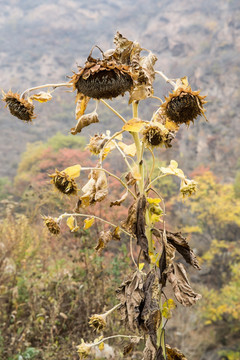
{"type": "Point", "coordinates": [41, 43]}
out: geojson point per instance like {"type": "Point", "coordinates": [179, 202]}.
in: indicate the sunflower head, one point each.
{"type": "Point", "coordinates": [188, 187]}
{"type": "Point", "coordinates": [156, 134]}
{"type": "Point", "coordinates": [102, 79]}
{"type": "Point", "coordinates": [19, 107]}
{"type": "Point", "coordinates": [98, 322]}
{"type": "Point", "coordinates": [52, 225]}
{"type": "Point", "coordinates": [84, 349]}
{"type": "Point", "coordinates": [64, 183]}
{"type": "Point", "coordinates": [183, 105]}
{"type": "Point", "coordinates": [96, 143]}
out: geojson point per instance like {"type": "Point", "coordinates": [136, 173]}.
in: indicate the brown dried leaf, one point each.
{"type": "Point", "coordinates": [174, 354]}
{"type": "Point", "coordinates": [96, 188]}
{"type": "Point", "coordinates": [142, 240]}
{"type": "Point", "coordinates": [130, 179]}
{"type": "Point", "coordinates": [131, 294]}
{"type": "Point", "coordinates": [106, 236]}
{"type": "Point", "coordinates": [81, 106]}
{"type": "Point", "coordinates": [143, 85]}
{"type": "Point", "coordinates": [184, 294]}
{"type": "Point", "coordinates": [130, 223]}
{"type": "Point", "coordinates": [181, 245]}
{"type": "Point", "coordinates": [85, 120]}
{"type": "Point", "coordinates": [120, 201]}
{"type": "Point", "coordinates": [130, 347]}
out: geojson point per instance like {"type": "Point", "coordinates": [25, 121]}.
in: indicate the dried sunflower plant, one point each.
{"type": "Point", "coordinates": [142, 303]}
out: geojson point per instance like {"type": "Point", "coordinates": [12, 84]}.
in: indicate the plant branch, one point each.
{"type": "Point", "coordinates": [166, 78]}
{"type": "Point", "coordinates": [113, 110]}
{"type": "Point", "coordinates": [93, 216]}
{"type": "Point", "coordinates": [113, 175]}
{"type": "Point", "coordinates": [54, 86]}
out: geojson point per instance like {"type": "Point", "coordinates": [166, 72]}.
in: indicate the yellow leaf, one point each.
{"type": "Point", "coordinates": [134, 125]}
{"type": "Point", "coordinates": [73, 171]}
{"type": "Point", "coordinates": [42, 96]}
{"type": "Point", "coordinates": [173, 164]}
{"type": "Point", "coordinates": [154, 258]}
{"type": "Point", "coordinates": [141, 266]}
{"type": "Point", "coordinates": [154, 200]}
{"type": "Point", "coordinates": [82, 102]}
{"type": "Point", "coordinates": [170, 125]}
{"type": "Point", "coordinates": [101, 346]}
{"type": "Point", "coordinates": [128, 149]}
{"type": "Point", "coordinates": [184, 81]}
{"type": "Point", "coordinates": [136, 174]}
{"type": "Point", "coordinates": [71, 223]}
{"type": "Point", "coordinates": [155, 218]}
{"type": "Point", "coordinates": [88, 222]}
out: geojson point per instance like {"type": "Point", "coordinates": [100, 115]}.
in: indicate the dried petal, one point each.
{"type": "Point", "coordinates": [96, 188]}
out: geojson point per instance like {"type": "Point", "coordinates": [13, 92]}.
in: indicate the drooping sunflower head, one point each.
{"type": "Point", "coordinates": [19, 107]}
{"type": "Point", "coordinates": [98, 322]}
{"type": "Point", "coordinates": [52, 225]}
{"type": "Point", "coordinates": [96, 143]}
{"type": "Point", "coordinates": [156, 134]}
{"type": "Point", "coordinates": [183, 105]}
{"type": "Point", "coordinates": [64, 183]}
{"type": "Point", "coordinates": [102, 79]}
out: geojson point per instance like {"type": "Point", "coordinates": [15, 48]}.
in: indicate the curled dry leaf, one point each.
{"type": "Point", "coordinates": [106, 236]}
{"type": "Point", "coordinates": [130, 179]}
{"type": "Point", "coordinates": [174, 354]}
{"type": "Point", "coordinates": [151, 315]}
{"type": "Point", "coordinates": [142, 240]}
{"type": "Point", "coordinates": [42, 97]}
{"type": "Point", "coordinates": [81, 101]}
{"type": "Point", "coordinates": [184, 294]}
{"type": "Point", "coordinates": [131, 294]}
{"type": "Point", "coordinates": [181, 245]}
{"type": "Point", "coordinates": [143, 85]}
{"type": "Point", "coordinates": [120, 201]}
{"type": "Point", "coordinates": [85, 120]}
{"type": "Point", "coordinates": [128, 349]}
{"type": "Point", "coordinates": [131, 222]}
{"type": "Point", "coordinates": [96, 188]}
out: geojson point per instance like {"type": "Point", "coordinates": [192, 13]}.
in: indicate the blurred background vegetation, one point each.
{"type": "Point", "coordinates": [50, 286]}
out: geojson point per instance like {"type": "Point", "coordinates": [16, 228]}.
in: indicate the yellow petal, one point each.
{"type": "Point", "coordinates": [73, 171]}
{"type": "Point", "coordinates": [134, 125]}
{"type": "Point", "coordinates": [128, 149]}
{"type": "Point", "coordinates": [42, 96]}
{"type": "Point", "coordinates": [88, 223]}
{"type": "Point", "coordinates": [154, 200]}
{"type": "Point", "coordinates": [71, 222]}
{"type": "Point", "coordinates": [170, 125]}
{"type": "Point", "coordinates": [101, 346]}
{"type": "Point", "coordinates": [141, 266]}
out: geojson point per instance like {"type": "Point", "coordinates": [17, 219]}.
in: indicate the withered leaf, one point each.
{"type": "Point", "coordinates": [85, 120]}
{"type": "Point", "coordinates": [130, 346]}
{"type": "Point", "coordinates": [120, 201]}
{"type": "Point", "coordinates": [150, 317]}
{"type": "Point", "coordinates": [131, 294]}
{"type": "Point", "coordinates": [106, 236]}
{"type": "Point", "coordinates": [174, 354]}
{"type": "Point", "coordinates": [184, 294]}
{"type": "Point", "coordinates": [130, 179]}
{"type": "Point", "coordinates": [130, 223]}
{"type": "Point", "coordinates": [142, 240]}
{"type": "Point", "coordinates": [96, 188]}
{"type": "Point", "coordinates": [181, 245]}
{"type": "Point", "coordinates": [81, 101]}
